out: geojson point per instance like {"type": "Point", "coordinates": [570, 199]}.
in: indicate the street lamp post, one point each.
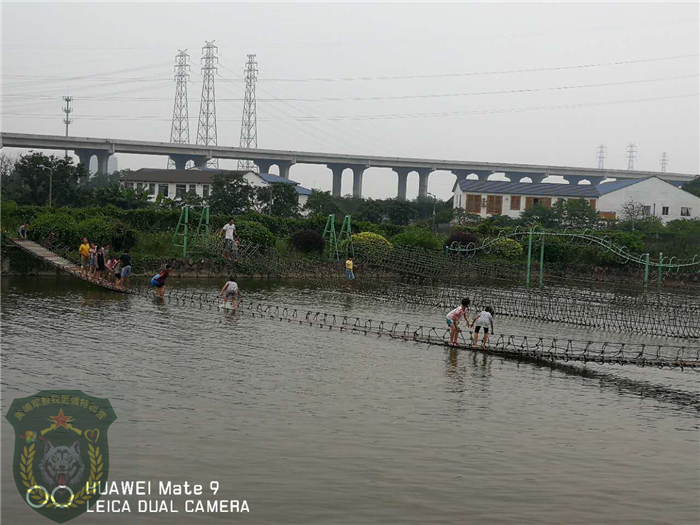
{"type": "Point", "coordinates": [434, 204]}
{"type": "Point", "coordinates": [50, 181]}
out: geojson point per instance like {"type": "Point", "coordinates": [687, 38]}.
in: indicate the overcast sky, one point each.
{"type": "Point", "coordinates": [117, 60]}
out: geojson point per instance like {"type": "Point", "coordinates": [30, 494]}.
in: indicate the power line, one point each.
{"type": "Point", "coordinates": [99, 76]}
{"type": "Point", "coordinates": [479, 73]}
{"type": "Point", "coordinates": [206, 129]}
{"type": "Point", "coordinates": [387, 117]}
{"type": "Point", "coordinates": [249, 121]}
{"type": "Point", "coordinates": [424, 96]}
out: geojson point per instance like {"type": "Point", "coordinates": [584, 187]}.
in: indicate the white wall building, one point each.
{"type": "Point", "coordinates": [659, 198]}
{"type": "Point", "coordinates": [175, 183]}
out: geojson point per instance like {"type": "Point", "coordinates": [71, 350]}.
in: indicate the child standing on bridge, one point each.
{"type": "Point", "coordinates": [483, 320]}
{"type": "Point", "coordinates": [159, 281]}
{"type": "Point", "coordinates": [453, 319]}
{"type": "Point", "coordinates": [230, 291]}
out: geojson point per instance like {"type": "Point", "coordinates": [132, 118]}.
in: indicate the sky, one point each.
{"type": "Point", "coordinates": [537, 83]}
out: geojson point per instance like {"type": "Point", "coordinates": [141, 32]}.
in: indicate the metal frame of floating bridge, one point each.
{"type": "Point", "coordinates": [184, 221]}
{"type": "Point", "coordinates": [666, 264]}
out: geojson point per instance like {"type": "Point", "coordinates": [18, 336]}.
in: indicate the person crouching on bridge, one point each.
{"type": "Point", "coordinates": [23, 230]}
{"type": "Point", "coordinates": [453, 320]}
{"type": "Point", "coordinates": [483, 320]}
{"type": "Point", "coordinates": [231, 292]}
{"type": "Point", "coordinates": [159, 281]}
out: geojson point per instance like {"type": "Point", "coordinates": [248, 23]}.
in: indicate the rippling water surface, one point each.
{"type": "Point", "coordinates": [317, 426]}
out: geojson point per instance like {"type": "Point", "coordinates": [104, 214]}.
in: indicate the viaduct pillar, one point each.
{"type": "Point", "coordinates": [264, 165]}
{"type": "Point", "coordinates": [403, 179]}
{"type": "Point", "coordinates": [423, 175]}
{"type": "Point", "coordinates": [357, 173]}
{"type": "Point", "coordinates": [337, 170]}
{"type": "Point", "coordinates": [284, 167]}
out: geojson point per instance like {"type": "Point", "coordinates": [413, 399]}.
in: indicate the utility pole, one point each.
{"type": "Point", "coordinates": [249, 122]}
{"type": "Point", "coordinates": [600, 156]}
{"type": "Point", "coordinates": [180, 130]}
{"type": "Point", "coordinates": [67, 110]}
{"type": "Point", "coordinates": [631, 155]}
{"type": "Point", "coordinates": [206, 129]}
{"type": "Point", "coordinates": [664, 162]}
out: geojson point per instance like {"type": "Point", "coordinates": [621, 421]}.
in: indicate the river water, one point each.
{"type": "Point", "coordinates": [315, 426]}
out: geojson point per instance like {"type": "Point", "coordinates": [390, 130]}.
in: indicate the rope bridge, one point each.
{"type": "Point", "coordinates": [518, 346]}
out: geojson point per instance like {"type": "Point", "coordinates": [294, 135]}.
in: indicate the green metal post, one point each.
{"type": "Point", "coordinates": [187, 221]}
{"type": "Point", "coordinates": [661, 272]}
{"type": "Point", "coordinates": [646, 272]}
{"type": "Point", "coordinates": [542, 260]}
{"type": "Point", "coordinates": [529, 259]}
{"type": "Point", "coordinates": [206, 210]}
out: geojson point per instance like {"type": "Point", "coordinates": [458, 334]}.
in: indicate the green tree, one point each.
{"type": "Point", "coordinates": [321, 203]}
{"type": "Point", "coordinates": [545, 217]}
{"type": "Point", "coordinates": [399, 212]}
{"type": "Point", "coordinates": [231, 193]}
{"type": "Point", "coordinates": [278, 199]}
{"type": "Point", "coordinates": [28, 183]}
{"type": "Point", "coordinates": [370, 211]}
{"type": "Point", "coordinates": [579, 214]}
{"type": "Point", "coordinates": [121, 197]}
{"type": "Point", "coordinates": [693, 186]}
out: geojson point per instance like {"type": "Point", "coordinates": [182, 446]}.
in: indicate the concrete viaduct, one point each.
{"type": "Point", "coordinates": [85, 148]}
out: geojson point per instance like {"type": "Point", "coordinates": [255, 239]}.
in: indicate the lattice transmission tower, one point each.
{"type": "Point", "coordinates": [631, 155]}
{"type": "Point", "coordinates": [180, 129]}
{"type": "Point", "coordinates": [249, 123]}
{"type": "Point", "coordinates": [600, 156]}
{"type": "Point", "coordinates": [664, 162]}
{"type": "Point", "coordinates": [206, 129]}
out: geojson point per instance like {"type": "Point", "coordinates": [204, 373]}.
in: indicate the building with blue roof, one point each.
{"type": "Point", "coordinates": [653, 195]}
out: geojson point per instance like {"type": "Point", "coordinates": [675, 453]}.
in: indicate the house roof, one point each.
{"type": "Point", "coordinates": [269, 177]}
{"type": "Point", "coordinates": [193, 176]}
{"type": "Point", "coordinates": [609, 187]}
{"type": "Point", "coordinates": [523, 188]}
{"type": "Point", "coordinates": [301, 190]}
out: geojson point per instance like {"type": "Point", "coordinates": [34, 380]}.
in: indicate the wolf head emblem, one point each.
{"type": "Point", "coordinates": [62, 466]}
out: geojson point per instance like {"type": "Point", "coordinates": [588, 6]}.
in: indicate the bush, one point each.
{"type": "Point", "coordinates": [367, 245]}
{"type": "Point", "coordinates": [255, 233]}
{"type": "Point", "coordinates": [64, 227]}
{"type": "Point", "coordinates": [462, 238]}
{"type": "Point", "coordinates": [508, 248]}
{"type": "Point", "coordinates": [101, 231]}
{"type": "Point", "coordinates": [308, 241]}
{"type": "Point", "coordinates": [418, 237]}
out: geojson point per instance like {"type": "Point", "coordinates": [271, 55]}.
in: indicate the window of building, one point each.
{"type": "Point", "coordinates": [515, 202]}
{"type": "Point", "coordinates": [163, 189]}
{"type": "Point", "coordinates": [139, 186]}
{"type": "Point", "coordinates": [685, 212]}
{"type": "Point", "coordinates": [473, 204]}
{"type": "Point", "coordinates": [494, 204]}
{"type": "Point", "coordinates": [180, 190]}
{"type": "Point", "coordinates": [193, 187]}
{"type": "Point", "coordinates": [647, 211]}
{"type": "Point", "coordinates": [152, 188]}
{"type": "Point", "coordinates": [205, 191]}
{"type": "Point", "coordinates": [664, 210]}
{"type": "Point", "coordinates": [545, 202]}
